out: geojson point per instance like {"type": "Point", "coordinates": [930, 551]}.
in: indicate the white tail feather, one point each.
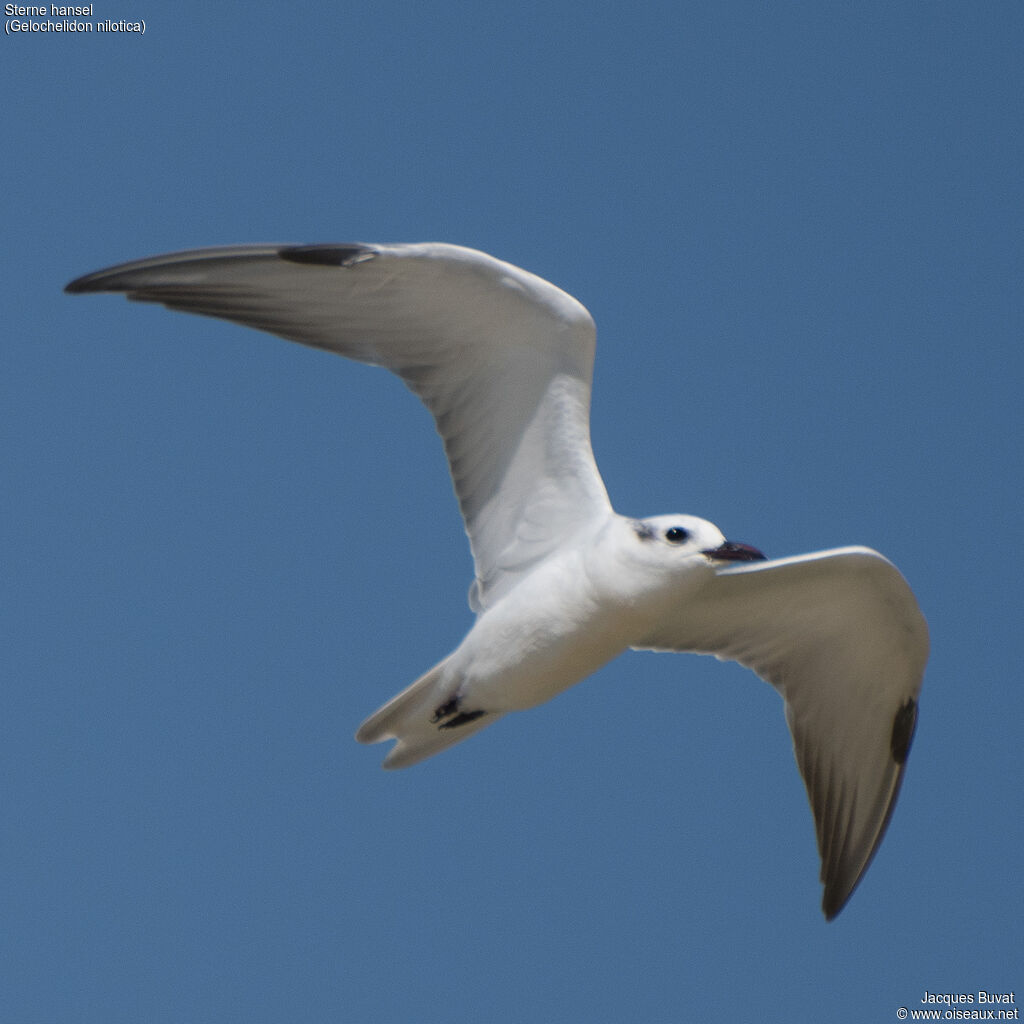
{"type": "Point", "coordinates": [408, 718]}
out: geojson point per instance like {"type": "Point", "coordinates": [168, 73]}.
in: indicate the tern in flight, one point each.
{"type": "Point", "coordinates": [503, 361]}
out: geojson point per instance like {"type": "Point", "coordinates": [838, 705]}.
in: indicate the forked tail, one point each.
{"type": "Point", "coordinates": [412, 718]}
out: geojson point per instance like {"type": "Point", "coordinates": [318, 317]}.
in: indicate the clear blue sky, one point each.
{"type": "Point", "coordinates": [799, 228]}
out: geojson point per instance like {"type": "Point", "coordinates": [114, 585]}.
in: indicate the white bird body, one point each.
{"type": "Point", "coordinates": [503, 360]}
{"type": "Point", "coordinates": [547, 635]}
{"type": "Point", "coordinates": [574, 612]}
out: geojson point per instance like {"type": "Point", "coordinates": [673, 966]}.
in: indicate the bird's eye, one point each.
{"type": "Point", "coordinates": [677, 535]}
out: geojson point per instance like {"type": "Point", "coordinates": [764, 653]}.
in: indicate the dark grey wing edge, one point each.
{"type": "Point", "coordinates": [116, 278]}
{"type": "Point", "coordinates": [838, 890]}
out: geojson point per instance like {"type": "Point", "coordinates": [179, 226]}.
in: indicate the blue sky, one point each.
{"type": "Point", "coordinates": [798, 226]}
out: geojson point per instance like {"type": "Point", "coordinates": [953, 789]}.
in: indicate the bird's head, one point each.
{"type": "Point", "coordinates": [637, 560]}
{"type": "Point", "coordinates": [677, 538]}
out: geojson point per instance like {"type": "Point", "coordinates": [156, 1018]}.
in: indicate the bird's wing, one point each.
{"type": "Point", "coordinates": [502, 359]}
{"type": "Point", "coordinates": [840, 636]}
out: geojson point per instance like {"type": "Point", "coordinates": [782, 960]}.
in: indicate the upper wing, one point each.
{"type": "Point", "coordinates": [502, 359]}
{"type": "Point", "coordinates": [841, 637]}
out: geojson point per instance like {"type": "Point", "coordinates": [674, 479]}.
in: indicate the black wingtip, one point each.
{"type": "Point", "coordinates": [79, 285]}
{"type": "Point", "coordinates": [327, 255]}
{"type": "Point", "coordinates": [107, 280]}
{"type": "Point", "coordinates": [126, 277]}
{"type": "Point", "coordinates": [903, 726]}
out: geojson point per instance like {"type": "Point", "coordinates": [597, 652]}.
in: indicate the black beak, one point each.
{"type": "Point", "coordinates": [733, 552]}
